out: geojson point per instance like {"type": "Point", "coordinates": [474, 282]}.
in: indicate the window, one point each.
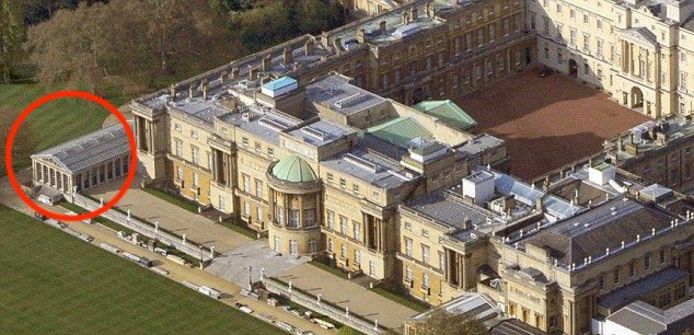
{"type": "Point", "coordinates": [259, 213]}
{"type": "Point", "coordinates": [425, 233]}
{"type": "Point", "coordinates": [356, 230]}
{"type": "Point", "coordinates": [425, 280]}
{"type": "Point", "coordinates": [293, 218]}
{"type": "Point", "coordinates": [179, 147]}
{"type": "Point", "coordinates": [372, 268]}
{"type": "Point", "coordinates": [331, 246]}
{"type": "Point", "coordinates": [244, 141]}
{"type": "Point", "coordinates": [355, 188]}
{"type": "Point", "coordinates": [586, 42]}
{"type": "Point", "coordinates": [330, 177]}
{"type": "Point", "coordinates": [209, 160]}
{"type": "Point", "coordinates": [343, 182]}
{"type": "Point", "coordinates": [194, 134]}
{"type": "Point", "coordinates": [442, 261]}
{"type": "Point", "coordinates": [258, 147]}
{"type": "Point", "coordinates": [599, 48]}
{"type": "Point", "coordinates": [246, 183]}
{"type": "Point", "coordinates": [632, 269]}
{"type": "Point", "coordinates": [545, 26]}
{"type": "Point", "coordinates": [408, 273]}
{"type": "Point", "coordinates": [683, 80]}
{"type": "Point", "coordinates": [585, 19]}
{"type": "Point", "coordinates": [408, 247]}
{"type": "Point", "coordinates": [357, 256]}
{"type": "Point", "coordinates": [572, 36]}
{"type": "Point", "coordinates": [194, 154]}
{"type": "Point", "coordinates": [480, 37]}
{"type": "Point", "coordinates": [177, 127]}
{"type": "Point", "coordinates": [179, 173]}
{"type": "Point", "coordinates": [343, 225]}
{"type": "Point", "coordinates": [558, 8]}
{"type": "Point", "coordinates": [196, 179]}
{"type": "Point", "coordinates": [572, 14]}
{"type": "Point", "coordinates": [309, 218]}
{"type": "Point", "coordinates": [331, 219]}
{"type": "Point", "coordinates": [662, 256]}
{"type": "Point", "coordinates": [247, 209]}
{"type": "Point", "coordinates": [408, 225]}
{"type": "Point", "coordinates": [270, 152]}
{"type": "Point", "coordinates": [312, 246]}
{"type": "Point", "coordinates": [601, 282]}
{"type": "Point", "coordinates": [615, 276]}
{"type": "Point", "coordinates": [343, 251]}
{"type": "Point", "coordinates": [425, 253]}
{"type": "Point", "coordinates": [258, 188]}
{"type": "Point", "coordinates": [280, 215]}
{"type": "Point", "coordinates": [492, 33]}
{"type": "Point", "coordinates": [647, 262]}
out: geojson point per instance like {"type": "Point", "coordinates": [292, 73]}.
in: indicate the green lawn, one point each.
{"type": "Point", "coordinates": [51, 282]}
{"type": "Point", "coordinates": [56, 121]}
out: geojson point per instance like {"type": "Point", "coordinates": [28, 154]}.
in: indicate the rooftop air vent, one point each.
{"type": "Point", "coordinates": [358, 161]}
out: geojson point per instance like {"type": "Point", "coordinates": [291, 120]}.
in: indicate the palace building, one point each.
{"type": "Point", "coordinates": [345, 146]}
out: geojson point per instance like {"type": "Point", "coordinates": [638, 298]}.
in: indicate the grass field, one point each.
{"type": "Point", "coordinates": [51, 282]}
{"type": "Point", "coordinates": [56, 121]}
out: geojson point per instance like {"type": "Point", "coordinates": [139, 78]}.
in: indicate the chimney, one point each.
{"type": "Point", "coordinates": [267, 63]}
{"type": "Point", "coordinates": [324, 40]}
{"type": "Point", "coordinates": [172, 92]}
{"type": "Point", "coordinates": [253, 74]}
{"type": "Point", "coordinates": [383, 27]}
{"type": "Point", "coordinates": [288, 56]}
{"type": "Point", "coordinates": [204, 87]}
{"type": "Point", "coordinates": [467, 223]}
{"type": "Point", "coordinates": [223, 76]}
{"type": "Point", "coordinates": [235, 73]}
{"type": "Point", "coordinates": [337, 43]}
{"type": "Point", "coordinates": [430, 9]}
{"type": "Point", "coordinates": [191, 90]}
{"type": "Point", "coordinates": [620, 144]}
{"type": "Point", "coordinates": [405, 17]}
{"type": "Point", "coordinates": [308, 48]}
{"type": "Point", "coordinates": [414, 13]}
{"type": "Point", "coordinates": [361, 36]}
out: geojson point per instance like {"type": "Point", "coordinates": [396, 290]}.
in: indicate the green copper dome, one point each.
{"type": "Point", "coordinates": [293, 169]}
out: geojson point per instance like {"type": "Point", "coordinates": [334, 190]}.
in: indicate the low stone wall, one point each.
{"type": "Point", "coordinates": [326, 308]}
{"type": "Point", "coordinates": [145, 228]}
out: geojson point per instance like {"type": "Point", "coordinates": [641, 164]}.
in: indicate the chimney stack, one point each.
{"type": "Point", "coordinates": [267, 63]}
{"type": "Point", "coordinates": [324, 40]}
{"type": "Point", "coordinates": [405, 17]}
{"type": "Point", "coordinates": [361, 36]}
{"type": "Point", "coordinates": [288, 56]}
{"type": "Point", "coordinates": [235, 73]}
{"type": "Point", "coordinates": [430, 9]}
{"type": "Point", "coordinates": [172, 92]}
{"type": "Point", "coordinates": [253, 74]}
{"type": "Point", "coordinates": [414, 13]}
{"type": "Point", "coordinates": [308, 48]}
{"type": "Point", "coordinates": [191, 90]}
{"type": "Point", "coordinates": [204, 87]}
{"type": "Point", "coordinates": [383, 27]}
{"type": "Point", "coordinates": [337, 43]}
{"type": "Point", "coordinates": [223, 77]}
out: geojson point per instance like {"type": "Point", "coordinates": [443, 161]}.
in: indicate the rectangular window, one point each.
{"type": "Point", "coordinates": [356, 230]}
{"type": "Point", "coordinates": [408, 247]}
{"type": "Point", "coordinates": [196, 179]}
{"type": "Point", "coordinates": [343, 225]}
{"type": "Point", "coordinates": [194, 154]}
{"type": "Point", "coordinates": [425, 254]}
{"type": "Point", "coordinates": [246, 183]}
{"type": "Point", "coordinates": [259, 214]}
{"type": "Point", "coordinates": [331, 219]}
{"type": "Point", "coordinates": [615, 276]}
{"type": "Point", "coordinates": [408, 273]}
{"type": "Point", "coordinates": [179, 147]}
{"type": "Point", "coordinates": [293, 218]}
{"type": "Point", "coordinates": [632, 269]}
{"type": "Point", "coordinates": [330, 177]}
{"type": "Point", "coordinates": [309, 218]}
{"type": "Point", "coordinates": [647, 262]}
{"type": "Point", "coordinates": [425, 280]}
{"type": "Point", "coordinates": [258, 188]}
{"type": "Point", "coordinates": [662, 256]}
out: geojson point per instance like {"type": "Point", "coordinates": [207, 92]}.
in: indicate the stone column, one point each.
{"type": "Point", "coordinates": [151, 138]}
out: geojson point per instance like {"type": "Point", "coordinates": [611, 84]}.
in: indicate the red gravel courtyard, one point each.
{"type": "Point", "coordinates": [547, 122]}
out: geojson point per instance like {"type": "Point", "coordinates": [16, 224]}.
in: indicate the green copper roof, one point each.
{"type": "Point", "coordinates": [293, 169]}
{"type": "Point", "coordinates": [400, 131]}
{"type": "Point", "coordinates": [448, 112]}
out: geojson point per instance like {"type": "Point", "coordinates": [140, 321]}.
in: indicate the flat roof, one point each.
{"type": "Point", "coordinates": [370, 167]}
{"type": "Point", "coordinates": [89, 150]}
{"type": "Point", "coordinates": [400, 131]}
{"type": "Point", "coordinates": [280, 83]}
{"type": "Point", "coordinates": [321, 133]}
{"type": "Point", "coordinates": [342, 97]}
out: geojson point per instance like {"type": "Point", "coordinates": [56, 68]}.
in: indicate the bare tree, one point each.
{"type": "Point", "coordinates": [443, 323]}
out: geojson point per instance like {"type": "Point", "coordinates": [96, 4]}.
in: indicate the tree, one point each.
{"type": "Point", "coordinates": [25, 142]}
{"type": "Point", "coordinates": [11, 37]}
{"type": "Point", "coordinates": [443, 323]}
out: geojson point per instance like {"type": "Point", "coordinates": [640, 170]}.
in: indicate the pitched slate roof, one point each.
{"type": "Point", "coordinates": [631, 292]}
{"type": "Point", "coordinates": [88, 150]}
{"type": "Point", "coordinates": [400, 130]}
{"type": "Point", "coordinates": [448, 112]}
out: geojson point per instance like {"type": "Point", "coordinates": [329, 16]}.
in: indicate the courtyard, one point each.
{"type": "Point", "coordinates": [547, 122]}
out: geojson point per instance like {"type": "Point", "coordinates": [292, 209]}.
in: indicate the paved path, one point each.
{"type": "Point", "coordinates": [177, 272]}
{"type": "Point", "coordinates": [346, 293]}
{"type": "Point", "coordinates": [173, 218]}
{"type": "Point", "coordinates": [111, 119]}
